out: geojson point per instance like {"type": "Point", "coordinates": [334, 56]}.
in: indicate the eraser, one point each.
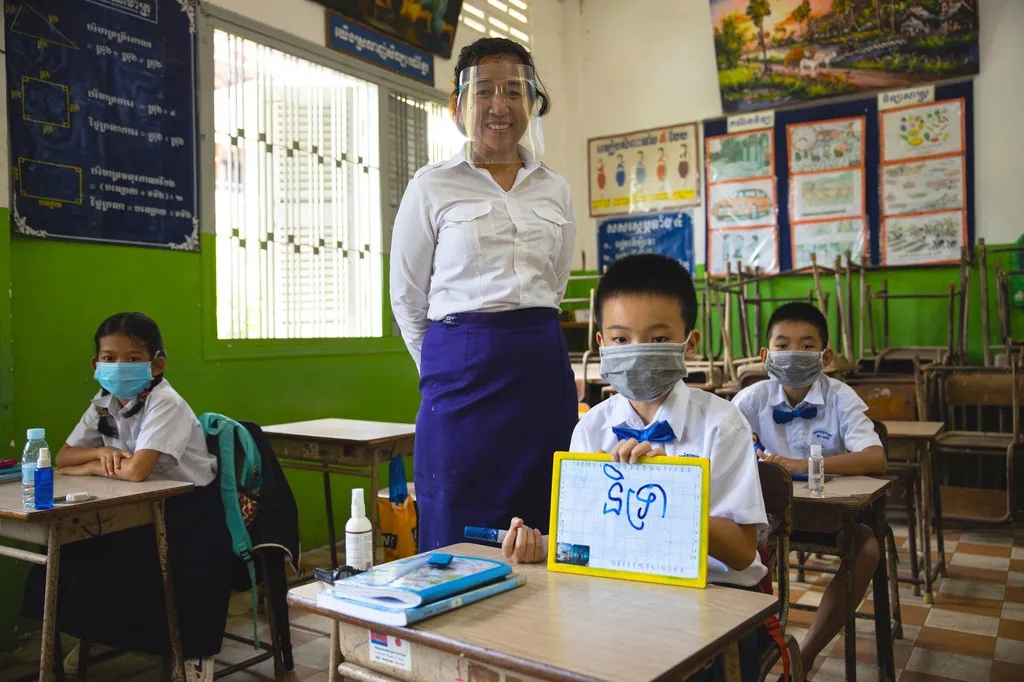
{"type": "Point", "coordinates": [77, 497]}
{"type": "Point", "coordinates": [439, 560]}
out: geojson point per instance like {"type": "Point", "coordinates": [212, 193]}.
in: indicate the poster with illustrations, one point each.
{"type": "Point", "coordinates": [835, 194]}
{"type": "Point", "coordinates": [649, 170]}
{"type": "Point", "coordinates": [929, 185]}
{"type": "Point", "coordinates": [740, 156]}
{"type": "Point", "coordinates": [924, 238]}
{"type": "Point", "coordinates": [931, 129]}
{"type": "Point", "coordinates": [741, 203]}
{"type": "Point", "coordinates": [751, 247]}
{"type": "Point", "coordinates": [826, 145]}
{"type": "Point", "coordinates": [827, 240]}
{"type": "Point", "coordinates": [771, 53]}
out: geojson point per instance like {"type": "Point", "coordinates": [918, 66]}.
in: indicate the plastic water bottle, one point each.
{"type": "Point", "coordinates": [816, 472]}
{"type": "Point", "coordinates": [29, 457]}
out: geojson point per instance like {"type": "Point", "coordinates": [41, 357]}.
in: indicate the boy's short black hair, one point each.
{"type": "Point", "coordinates": [650, 274]}
{"type": "Point", "coordinates": [798, 311]}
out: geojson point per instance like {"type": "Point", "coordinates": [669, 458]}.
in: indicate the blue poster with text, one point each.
{"type": "Point", "coordinates": [669, 234]}
{"type": "Point", "coordinates": [102, 112]}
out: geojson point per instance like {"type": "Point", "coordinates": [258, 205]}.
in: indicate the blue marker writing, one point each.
{"type": "Point", "coordinates": [484, 534]}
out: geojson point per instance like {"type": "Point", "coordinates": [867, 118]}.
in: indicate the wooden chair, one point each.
{"type": "Point", "coordinates": [777, 490]}
{"type": "Point", "coordinates": [982, 410]}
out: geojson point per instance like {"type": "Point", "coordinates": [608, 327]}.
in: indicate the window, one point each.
{"type": "Point", "coordinates": [498, 18]}
{"type": "Point", "coordinates": [298, 197]}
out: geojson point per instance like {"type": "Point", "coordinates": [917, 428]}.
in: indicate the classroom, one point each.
{"type": "Point", "coordinates": [376, 363]}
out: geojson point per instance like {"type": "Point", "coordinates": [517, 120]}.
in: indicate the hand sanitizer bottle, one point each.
{"type": "Point", "coordinates": [816, 472]}
{"type": "Point", "coordinates": [359, 535]}
{"type": "Point", "coordinates": [43, 481]}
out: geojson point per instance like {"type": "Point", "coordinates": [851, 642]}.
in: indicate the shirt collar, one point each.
{"type": "Point", "coordinates": [530, 162]}
{"type": "Point", "coordinates": [110, 403]}
{"type": "Point", "coordinates": [815, 396]}
{"type": "Point", "coordinates": [673, 410]}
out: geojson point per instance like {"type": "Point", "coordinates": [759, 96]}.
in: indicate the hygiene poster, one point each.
{"type": "Point", "coordinates": [649, 170]}
{"type": "Point", "coordinates": [102, 114]}
{"type": "Point", "coordinates": [669, 234]}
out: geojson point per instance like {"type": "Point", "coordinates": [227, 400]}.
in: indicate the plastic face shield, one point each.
{"type": "Point", "coordinates": [497, 112]}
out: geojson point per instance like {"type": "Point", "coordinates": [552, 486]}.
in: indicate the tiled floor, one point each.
{"type": "Point", "coordinates": [973, 632]}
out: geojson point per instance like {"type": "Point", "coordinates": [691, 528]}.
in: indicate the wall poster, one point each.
{"type": "Point", "coordinates": [669, 234]}
{"type": "Point", "coordinates": [649, 170]}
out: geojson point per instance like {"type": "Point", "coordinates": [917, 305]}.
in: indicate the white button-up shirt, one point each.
{"type": "Point", "coordinates": [705, 426]}
{"type": "Point", "coordinates": [841, 425]}
{"type": "Point", "coordinates": [463, 244]}
{"type": "Point", "coordinates": [165, 423]}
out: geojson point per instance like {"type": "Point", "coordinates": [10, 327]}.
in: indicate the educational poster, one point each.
{"type": "Point", "coordinates": [925, 238]}
{"type": "Point", "coordinates": [750, 247]}
{"type": "Point", "coordinates": [102, 115]}
{"type": "Point", "coordinates": [931, 129]}
{"type": "Point", "coordinates": [776, 52]}
{"type": "Point", "coordinates": [827, 240]}
{"type": "Point", "coordinates": [919, 186]}
{"type": "Point", "coordinates": [669, 234]}
{"type": "Point", "coordinates": [826, 145]}
{"type": "Point", "coordinates": [924, 186]}
{"type": "Point", "coordinates": [741, 156]}
{"type": "Point", "coordinates": [650, 170]}
{"type": "Point", "coordinates": [741, 203]}
{"type": "Point", "coordinates": [835, 194]}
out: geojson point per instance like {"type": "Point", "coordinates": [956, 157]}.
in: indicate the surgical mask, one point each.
{"type": "Point", "coordinates": [643, 371]}
{"type": "Point", "coordinates": [794, 368]}
{"type": "Point", "coordinates": [125, 380]}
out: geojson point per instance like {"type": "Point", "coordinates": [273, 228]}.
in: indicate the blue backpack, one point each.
{"type": "Point", "coordinates": [240, 481]}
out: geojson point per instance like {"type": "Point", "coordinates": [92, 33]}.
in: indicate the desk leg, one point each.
{"type": "Point", "coordinates": [177, 660]}
{"type": "Point", "coordinates": [331, 539]}
{"type": "Point", "coordinates": [50, 633]}
{"type": "Point", "coordinates": [849, 539]}
{"type": "Point", "coordinates": [925, 520]}
{"type": "Point", "coordinates": [937, 516]}
{"type": "Point", "coordinates": [880, 585]}
{"type": "Point", "coordinates": [733, 672]}
{"type": "Point", "coordinates": [334, 657]}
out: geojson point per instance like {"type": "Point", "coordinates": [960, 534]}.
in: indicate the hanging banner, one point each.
{"type": "Point", "coordinates": [669, 234]}
{"type": "Point", "coordinates": [102, 115]}
{"type": "Point", "coordinates": [370, 46]}
{"type": "Point", "coordinates": [650, 170]}
{"type": "Point", "coordinates": [423, 24]}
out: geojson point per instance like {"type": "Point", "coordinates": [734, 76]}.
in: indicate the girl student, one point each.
{"type": "Point", "coordinates": [136, 428]}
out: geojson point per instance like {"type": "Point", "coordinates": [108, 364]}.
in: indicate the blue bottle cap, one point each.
{"type": "Point", "coordinates": [37, 434]}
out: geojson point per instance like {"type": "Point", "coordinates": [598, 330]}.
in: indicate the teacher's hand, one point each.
{"type": "Point", "coordinates": [523, 545]}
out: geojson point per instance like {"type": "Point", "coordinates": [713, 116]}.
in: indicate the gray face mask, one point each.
{"type": "Point", "coordinates": [643, 371]}
{"type": "Point", "coordinates": [794, 368]}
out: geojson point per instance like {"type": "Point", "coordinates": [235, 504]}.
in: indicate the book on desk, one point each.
{"type": "Point", "coordinates": [410, 590]}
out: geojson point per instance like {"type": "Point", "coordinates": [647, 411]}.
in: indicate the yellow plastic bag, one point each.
{"type": "Point", "coordinates": [396, 508]}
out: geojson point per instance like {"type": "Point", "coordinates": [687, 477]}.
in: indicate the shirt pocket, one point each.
{"type": "Point", "coordinates": [543, 234]}
{"type": "Point", "coordinates": [461, 228]}
{"type": "Point", "coordinates": [831, 443]}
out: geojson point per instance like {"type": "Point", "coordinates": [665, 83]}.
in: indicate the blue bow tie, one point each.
{"type": "Point", "coordinates": [659, 432]}
{"type": "Point", "coordinates": [783, 416]}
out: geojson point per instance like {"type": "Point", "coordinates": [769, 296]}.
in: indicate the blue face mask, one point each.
{"type": "Point", "coordinates": [124, 379]}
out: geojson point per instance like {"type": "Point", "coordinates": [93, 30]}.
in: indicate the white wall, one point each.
{"type": "Point", "coordinates": [657, 67]}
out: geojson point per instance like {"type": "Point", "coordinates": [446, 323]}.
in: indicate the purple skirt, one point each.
{"type": "Point", "coordinates": [498, 400]}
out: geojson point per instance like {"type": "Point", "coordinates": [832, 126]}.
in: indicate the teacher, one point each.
{"type": "Point", "coordinates": [480, 256]}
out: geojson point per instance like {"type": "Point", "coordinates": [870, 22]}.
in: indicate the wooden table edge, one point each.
{"type": "Point", "coordinates": [62, 511]}
{"type": "Point", "coordinates": [343, 441]}
{"type": "Point", "coordinates": [531, 668]}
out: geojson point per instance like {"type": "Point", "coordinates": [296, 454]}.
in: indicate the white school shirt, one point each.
{"type": "Point", "coordinates": [841, 425]}
{"type": "Point", "coordinates": [705, 426]}
{"type": "Point", "coordinates": [165, 423]}
{"type": "Point", "coordinates": [463, 244]}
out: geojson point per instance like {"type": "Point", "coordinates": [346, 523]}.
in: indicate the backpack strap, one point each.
{"type": "Point", "coordinates": [227, 430]}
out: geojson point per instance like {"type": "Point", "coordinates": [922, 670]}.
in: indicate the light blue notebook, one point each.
{"type": "Point", "coordinates": [395, 614]}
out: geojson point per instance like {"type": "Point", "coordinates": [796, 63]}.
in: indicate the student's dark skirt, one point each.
{"type": "Point", "coordinates": [498, 400]}
{"type": "Point", "coordinates": [111, 590]}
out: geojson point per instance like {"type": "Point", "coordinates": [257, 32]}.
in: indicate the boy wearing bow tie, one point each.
{"type": "Point", "coordinates": [799, 406]}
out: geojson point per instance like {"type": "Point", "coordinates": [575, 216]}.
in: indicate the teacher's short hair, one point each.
{"type": "Point", "coordinates": [649, 274]}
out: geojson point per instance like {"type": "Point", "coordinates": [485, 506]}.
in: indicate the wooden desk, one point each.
{"type": "Point", "coordinates": [119, 505]}
{"type": "Point", "coordinates": [557, 627]}
{"type": "Point", "coordinates": [342, 446]}
{"type": "Point", "coordinates": [921, 435]}
{"type": "Point", "coordinates": [836, 510]}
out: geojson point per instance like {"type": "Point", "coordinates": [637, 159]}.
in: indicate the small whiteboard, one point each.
{"type": "Point", "coordinates": [646, 521]}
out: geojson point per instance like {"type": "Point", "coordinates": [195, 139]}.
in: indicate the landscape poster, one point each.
{"type": "Point", "coordinates": [776, 52]}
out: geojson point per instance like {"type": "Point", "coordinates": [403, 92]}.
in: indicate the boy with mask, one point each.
{"type": "Point", "coordinates": [799, 406]}
{"type": "Point", "coordinates": [646, 309]}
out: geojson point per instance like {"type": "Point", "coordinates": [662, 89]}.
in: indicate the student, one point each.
{"type": "Point", "coordinates": [799, 406]}
{"type": "Point", "coordinates": [646, 309]}
{"type": "Point", "coordinates": [138, 427]}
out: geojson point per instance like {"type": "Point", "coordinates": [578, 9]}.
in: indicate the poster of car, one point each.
{"type": "Point", "coordinates": [743, 203]}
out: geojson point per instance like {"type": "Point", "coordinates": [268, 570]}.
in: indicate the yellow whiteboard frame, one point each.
{"type": "Point", "coordinates": [705, 497]}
